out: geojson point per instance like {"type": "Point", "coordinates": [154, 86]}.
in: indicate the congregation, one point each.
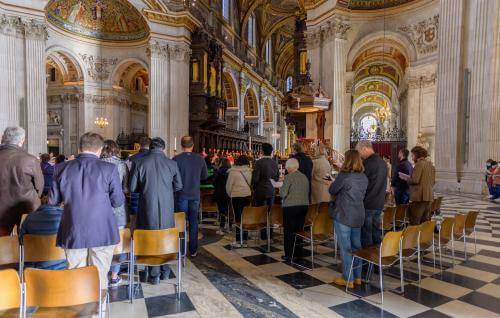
{"type": "Point", "coordinates": [88, 199]}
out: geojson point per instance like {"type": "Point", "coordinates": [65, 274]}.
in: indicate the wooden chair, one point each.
{"type": "Point", "coordinates": [208, 205]}
{"type": "Point", "coordinates": [63, 293]}
{"type": "Point", "coordinates": [276, 217]}
{"type": "Point", "coordinates": [253, 219]}
{"type": "Point", "coordinates": [388, 219]}
{"type": "Point", "coordinates": [11, 296]}
{"type": "Point", "coordinates": [9, 252]}
{"type": "Point", "coordinates": [385, 255]}
{"type": "Point", "coordinates": [320, 232]}
{"type": "Point", "coordinates": [459, 231]}
{"type": "Point", "coordinates": [156, 248]}
{"type": "Point", "coordinates": [426, 239]}
{"type": "Point", "coordinates": [401, 217]}
{"type": "Point", "coordinates": [470, 226]}
{"type": "Point", "coordinates": [445, 237]}
{"type": "Point", "coordinates": [124, 248]}
{"type": "Point", "coordinates": [410, 245]}
{"type": "Point", "coordinates": [181, 225]}
{"type": "Point", "coordinates": [16, 229]}
{"type": "Point", "coordinates": [312, 211]}
{"type": "Point", "coordinates": [38, 248]}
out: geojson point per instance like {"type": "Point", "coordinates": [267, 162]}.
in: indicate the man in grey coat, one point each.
{"type": "Point", "coordinates": [155, 177]}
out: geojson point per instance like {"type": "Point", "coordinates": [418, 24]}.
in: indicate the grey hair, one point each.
{"type": "Point", "coordinates": [364, 144]}
{"type": "Point", "coordinates": [292, 163]}
{"type": "Point", "coordinates": [13, 135]}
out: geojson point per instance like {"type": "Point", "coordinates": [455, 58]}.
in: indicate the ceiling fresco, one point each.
{"type": "Point", "coordinates": [371, 4]}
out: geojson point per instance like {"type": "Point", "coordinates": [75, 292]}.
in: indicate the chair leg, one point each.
{"type": "Point", "coordinates": [401, 272]}
{"type": "Point", "coordinates": [312, 253]}
{"type": "Point", "coordinates": [179, 276]}
{"type": "Point", "coordinates": [419, 265]}
{"type": "Point", "coordinates": [350, 273]}
{"type": "Point", "coordinates": [381, 276]}
{"type": "Point", "coordinates": [465, 248]}
{"type": "Point", "coordinates": [293, 249]}
{"type": "Point", "coordinates": [452, 252]}
{"type": "Point", "coordinates": [475, 242]}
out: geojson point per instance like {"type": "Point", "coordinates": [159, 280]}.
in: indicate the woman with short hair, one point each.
{"type": "Point", "coordinates": [295, 201]}
{"type": "Point", "coordinates": [349, 189]}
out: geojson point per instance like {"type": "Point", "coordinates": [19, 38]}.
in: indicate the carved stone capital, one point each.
{"type": "Point", "coordinates": [157, 49]}
{"type": "Point", "coordinates": [35, 30]}
{"type": "Point", "coordinates": [313, 39]}
{"type": "Point", "coordinates": [97, 67]}
{"type": "Point", "coordinates": [11, 26]}
{"type": "Point", "coordinates": [334, 28]}
{"type": "Point", "coordinates": [179, 52]}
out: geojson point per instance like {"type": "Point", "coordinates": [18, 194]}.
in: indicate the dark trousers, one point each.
{"type": "Point", "coordinates": [191, 208]}
{"type": "Point", "coordinates": [293, 222]}
{"type": "Point", "coordinates": [371, 233]}
{"type": "Point", "coordinates": [261, 202]}
{"type": "Point", "coordinates": [401, 196]}
{"type": "Point", "coordinates": [238, 204]}
{"type": "Point", "coordinates": [419, 212]}
{"type": "Point", "coordinates": [155, 271]}
{"type": "Point", "coordinates": [223, 207]}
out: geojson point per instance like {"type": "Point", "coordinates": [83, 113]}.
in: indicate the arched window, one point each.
{"type": "Point", "coordinates": [269, 51]}
{"type": "Point", "coordinates": [251, 31]}
{"type": "Point", "coordinates": [226, 9]}
{"type": "Point", "coordinates": [289, 83]}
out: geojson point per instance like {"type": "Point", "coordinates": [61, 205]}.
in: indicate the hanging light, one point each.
{"type": "Point", "coordinates": [101, 122]}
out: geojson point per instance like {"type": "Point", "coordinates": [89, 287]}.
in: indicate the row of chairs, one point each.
{"type": "Point", "coordinates": [396, 216]}
{"type": "Point", "coordinates": [398, 246]}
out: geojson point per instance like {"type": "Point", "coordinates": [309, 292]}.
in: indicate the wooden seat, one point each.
{"type": "Point", "coordinates": [9, 252]}
{"type": "Point", "coordinates": [276, 217]}
{"type": "Point", "coordinates": [71, 292]}
{"type": "Point", "coordinates": [39, 248]}
{"type": "Point", "coordinates": [124, 247]}
{"type": "Point", "coordinates": [401, 214]}
{"type": "Point", "coordinates": [155, 248]}
{"type": "Point", "coordinates": [459, 231]}
{"type": "Point", "coordinates": [410, 245]}
{"type": "Point", "coordinates": [444, 237]}
{"type": "Point", "coordinates": [253, 218]}
{"type": "Point", "coordinates": [208, 205]}
{"type": "Point", "coordinates": [10, 291]}
{"type": "Point", "coordinates": [312, 211]}
{"type": "Point", "coordinates": [385, 255]}
{"type": "Point", "coordinates": [388, 219]}
{"type": "Point", "coordinates": [470, 226]}
{"type": "Point", "coordinates": [181, 225]}
{"type": "Point", "coordinates": [426, 239]}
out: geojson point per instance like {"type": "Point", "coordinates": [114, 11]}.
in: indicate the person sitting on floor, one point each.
{"type": "Point", "coordinates": [44, 221]}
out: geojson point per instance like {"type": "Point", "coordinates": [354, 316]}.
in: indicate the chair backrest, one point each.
{"type": "Point", "coordinates": [124, 245]}
{"type": "Point", "coordinates": [446, 228]}
{"type": "Point", "coordinates": [401, 212]}
{"type": "Point", "coordinates": [253, 215]}
{"type": "Point", "coordinates": [459, 227]}
{"type": "Point", "coordinates": [323, 224]}
{"type": "Point", "coordinates": [311, 213]}
{"type": "Point", "coordinates": [180, 221]}
{"type": "Point", "coordinates": [427, 232]}
{"type": "Point", "coordinates": [208, 203]}
{"type": "Point", "coordinates": [470, 223]}
{"type": "Point", "coordinates": [156, 242]}
{"type": "Point", "coordinates": [323, 207]}
{"type": "Point", "coordinates": [410, 237]}
{"type": "Point", "coordinates": [61, 288]}
{"type": "Point", "coordinates": [390, 244]}
{"type": "Point", "coordinates": [10, 289]}
{"type": "Point", "coordinates": [388, 219]}
{"type": "Point", "coordinates": [9, 250]}
{"type": "Point", "coordinates": [41, 248]}
{"type": "Point", "coordinates": [439, 201]}
{"type": "Point", "coordinates": [276, 214]}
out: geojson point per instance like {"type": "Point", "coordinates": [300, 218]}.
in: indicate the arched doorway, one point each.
{"type": "Point", "coordinates": [251, 112]}
{"type": "Point", "coordinates": [229, 93]}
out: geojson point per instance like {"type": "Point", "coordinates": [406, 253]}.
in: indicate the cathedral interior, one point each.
{"type": "Point", "coordinates": [235, 74]}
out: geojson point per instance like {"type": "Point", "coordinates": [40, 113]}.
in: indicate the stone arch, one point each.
{"type": "Point", "coordinates": [229, 90]}
{"type": "Point", "coordinates": [268, 112]}
{"type": "Point", "coordinates": [130, 66]}
{"type": "Point", "coordinates": [250, 105]}
{"type": "Point", "coordinates": [65, 59]}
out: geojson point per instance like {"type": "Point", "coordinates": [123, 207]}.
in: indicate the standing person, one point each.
{"type": "Point", "coordinates": [400, 187]}
{"type": "Point", "coordinates": [491, 166]}
{"type": "Point", "coordinates": [60, 159]}
{"type": "Point", "coordinates": [305, 163]}
{"type": "Point", "coordinates": [496, 184]}
{"type": "Point", "coordinates": [21, 180]}
{"type": "Point", "coordinates": [238, 187]}
{"type": "Point", "coordinates": [145, 143]}
{"type": "Point", "coordinates": [155, 178]}
{"type": "Point", "coordinates": [295, 202]}
{"type": "Point", "coordinates": [193, 170]}
{"type": "Point", "coordinates": [47, 171]}
{"type": "Point", "coordinates": [110, 154]}
{"type": "Point", "coordinates": [421, 182]}
{"type": "Point", "coordinates": [321, 170]}
{"type": "Point", "coordinates": [89, 188]}
{"type": "Point", "coordinates": [349, 189]}
{"type": "Point", "coordinates": [220, 194]}
{"type": "Point", "coordinates": [376, 172]}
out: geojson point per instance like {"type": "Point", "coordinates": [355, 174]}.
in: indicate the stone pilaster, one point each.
{"type": "Point", "coordinates": [493, 130]}
{"type": "Point", "coordinates": [340, 141]}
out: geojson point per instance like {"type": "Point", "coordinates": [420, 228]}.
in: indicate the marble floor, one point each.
{"type": "Point", "coordinates": [251, 282]}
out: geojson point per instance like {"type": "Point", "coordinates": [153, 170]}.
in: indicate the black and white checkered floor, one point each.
{"type": "Point", "coordinates": [249, 282]}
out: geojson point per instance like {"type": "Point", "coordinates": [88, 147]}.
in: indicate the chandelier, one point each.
{"type": "Point", "coordinates": [101, 122]}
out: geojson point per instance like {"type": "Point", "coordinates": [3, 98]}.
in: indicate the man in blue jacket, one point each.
{"type": "Point", "coordinates": [89, 188]}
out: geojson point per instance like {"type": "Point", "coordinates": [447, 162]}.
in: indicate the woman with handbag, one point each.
{"type": "Point", "coordinates": [239, 190]}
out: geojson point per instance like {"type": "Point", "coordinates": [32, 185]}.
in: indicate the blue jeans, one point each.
{"type": "Point", "coordinates": [401, 196]}
{"type": "Point", "coordinates": [349, 239]}
{"type": "Point", "coordinates": [371, 234]}
{"type": "Point", "coordinates": [496, 192]}
{"type": "Point", "coordinates": [191, 208]}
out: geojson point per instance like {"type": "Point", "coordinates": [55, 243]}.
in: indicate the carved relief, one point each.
{"type": "Point", "coordinates": [97, 67]}
{"type": "Point", "coordinates": [421, 81]}
{"type": "Point", "coordinates": [11, 25]}
{"type": "Point", "coordinates": [35, 30]}
{"type": "Point", "coordinates": [424, 34]}
{"type": "Point", "coordinates": [178, 52]}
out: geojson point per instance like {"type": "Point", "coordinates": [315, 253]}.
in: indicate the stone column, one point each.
{"type": "Point", "coordinates": [449, 73]}
{"type": "Point", "coordinates": [36, 87]}
{"type": "Point", "coordinates": [493, 128]}
{"type": "Point", "coordinates": [340, 140]}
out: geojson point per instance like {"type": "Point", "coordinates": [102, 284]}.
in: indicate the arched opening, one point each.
{"type": "Point", "coordinates": [268, 113]}
{"type": "Point", "coordinates": [229, 93]}
{"type": "Point", "coordinates": [65, 85]}
{"type": "Point", "coordinates": [251, 112]}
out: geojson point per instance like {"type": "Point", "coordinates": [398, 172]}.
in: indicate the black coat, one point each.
{"type": "Point", "coordinates": [263, 170]}
{"type": "Point", "coordinates": [220, 180]}
{"type": "Point", "coordinates": [156, 178]}
{"type": "Point", "coordinates": [376, 172]}
{"type": "Point", "coordinates": [305, 164]}
{"type": "Point", "coordinates": [404, 166]}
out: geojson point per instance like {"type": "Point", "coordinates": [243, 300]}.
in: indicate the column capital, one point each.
{"type": "Point", "coordinates": [179, 52]}
{"type": "Point", "coordinates": [335, 28]}
{"type": "Point", "coordinates": [11, 25]}
{"type": "Point", "coordinates": [35, 30]}
{"type": "Point", "coordinates": [169, 50]}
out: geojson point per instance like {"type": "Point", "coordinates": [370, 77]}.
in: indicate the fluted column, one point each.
{"type": "Point", "coordinates": [448, 92]}
{"type": "Point", "coordinates": [493, 130]}
{"type": "Point", "coordinates": [340, 141]}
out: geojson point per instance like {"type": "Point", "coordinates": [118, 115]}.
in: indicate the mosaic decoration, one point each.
{"type": "Point", "coordinates": [106, 20]}
{"type": "Point", "coordinates": [371, 4]}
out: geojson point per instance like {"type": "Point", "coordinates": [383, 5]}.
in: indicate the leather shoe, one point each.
{"type": "Point", "coordinates": [165, 275]}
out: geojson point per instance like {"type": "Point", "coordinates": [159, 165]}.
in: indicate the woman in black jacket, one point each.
{"type": "Point", "coordinates": [349, 188]}
{"type": "Point", "coordinates": [220, 194]}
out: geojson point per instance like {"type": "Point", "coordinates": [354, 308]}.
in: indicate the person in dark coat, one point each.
{"type": "Point", "coordinates": [89, 188]}
{"type": "Point", "coordinates": [47, 171]}
{"type": "Point", "coordinates": [376, 172]}
{"type": "Point", "coordinates": [305, 162]}
{"type": "Point", "coordinates": [349, 189]}
{"type": "Point", "coordinates": [400, 187]}
{"type": "Point", "coordinates": [264, 169]}
{"type": "Point", "coordinates": [155, 177]}
{"type": "Point", "coordinates": [220, 194]}
{"type": "Point", "coordinates": [21, 180]}
{"type": "Point", "coordinates": [144, 143]}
